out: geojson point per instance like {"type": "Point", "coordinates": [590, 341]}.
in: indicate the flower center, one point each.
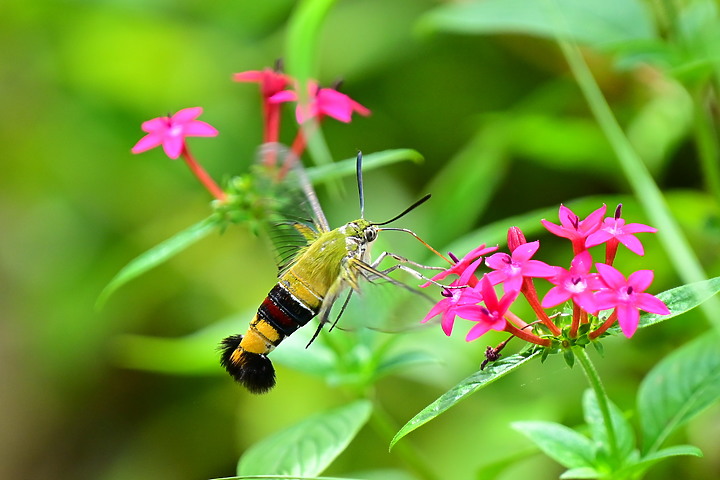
{"type": "Point", "coordinates": [576, 285]}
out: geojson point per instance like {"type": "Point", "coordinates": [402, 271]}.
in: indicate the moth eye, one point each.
{"type": "Point", "coordinates": [370, 234]}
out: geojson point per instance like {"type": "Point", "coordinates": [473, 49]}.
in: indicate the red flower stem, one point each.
{"type": "Point", "coordinates": [607, 324]}
{"type": "Point", "coordinates": [202, 175]}
{"type": "Point", "coordinates": [271, 134]}
{"type": "Point", "coordinates": [527, 336]}
{"type": "Point", "coordinates": [528, 289]}
{"type": "Point", "coordinates": [610, 250]}
{"type": "Point", "coordinates": [516, 321]}
{"type": "Point", "coordinates": [575, 320]}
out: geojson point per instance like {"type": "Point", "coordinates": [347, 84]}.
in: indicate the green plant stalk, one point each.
{"type": "Point", "coordinates": [646, 191]}
{"type": "Point", "coordinates": [707, 144]}
{"type": "Point", "coordinates": [602, 400]}
{"type": "Point", "coordinates": [303, 39]}
{"type": "Point", "coordinates": [384, 425]}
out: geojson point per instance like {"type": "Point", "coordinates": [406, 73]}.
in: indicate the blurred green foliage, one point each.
{"type": "Point", "coordinates": [506, 134]}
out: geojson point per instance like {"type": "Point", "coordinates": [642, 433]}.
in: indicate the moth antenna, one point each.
{"type": "Point", "coordinates": [406, 211]}
{"type": "Point", "coordinates": [359, 177]}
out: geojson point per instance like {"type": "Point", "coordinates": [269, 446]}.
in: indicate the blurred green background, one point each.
{"type": "Point", "coordinates": [504, 130]}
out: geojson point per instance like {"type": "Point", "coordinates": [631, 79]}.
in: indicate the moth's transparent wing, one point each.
{"type": "Point", "coordinates": [293, 217]}
{"type": "Point", "coordinates": [389, 302]}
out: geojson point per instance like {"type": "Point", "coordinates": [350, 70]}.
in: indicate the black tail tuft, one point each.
{"type": "Point", "coordinates": [252, 370]}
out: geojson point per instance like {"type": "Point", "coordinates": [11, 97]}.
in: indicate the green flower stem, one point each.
{"type": "Point", "coordinates": [602, 400]}
{"type": "Point", "coordinates": [384, 425]}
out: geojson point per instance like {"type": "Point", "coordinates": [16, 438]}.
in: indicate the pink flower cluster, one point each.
{"type": "Point", "coordinates": [590, 293]}
{"type": "Point", "coordinates": [171, 131]}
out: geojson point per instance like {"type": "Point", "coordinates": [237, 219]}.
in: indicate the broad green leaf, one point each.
{"type": "Point", "coordinates": [462, 390]}
{"type": "Point", "coordinates": [371, 161]}
{"type": "Point", "coordinates": [564, 445]}
{"type": "Point", "coordinates": [582, 472]}
{"type": "Point", "coordinates": [624, 435]}
{"type": "Point", "coordinates": [679, 300]}
{"type": "Point", "coordinates": [309, 447]}
{"type": "Point", "coordinates": [603, 24]}
{"type": "Point", "coordinates": [635, 470]}
{"type": "Point", "coordinates": [678, 388]}
{"type": "Point", "coordinates": [159, 254]}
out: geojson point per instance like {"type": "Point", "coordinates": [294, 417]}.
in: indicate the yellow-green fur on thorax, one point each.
{"type": "Point", "coordinates": [320, 263]}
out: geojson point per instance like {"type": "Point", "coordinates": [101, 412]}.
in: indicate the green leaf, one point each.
{"type": "Point", "coordinates": [637, 469]}
{"type": "Point", "coordinates": [624, 435]}
{"type": "Point", "coordinates": [371, 161]}
{"type": "Point", "coordinates": [600, 23]}
{"type": "Point", "coordinates": [679, 300]}
{"type": "Point", "coordinates": [582, 472]}
{"type": "Point", "coordinates": [309, 447]}
{"type": "Point", "coordinates": [678, 388]}
{"type": "Point", "coordinates": [564, 445]}
{"type": "Point", "coordinates": [462, 390]}
{"type": "Point", "coordinates": [159, 254]}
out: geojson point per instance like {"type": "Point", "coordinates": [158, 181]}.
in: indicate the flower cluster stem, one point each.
{"type": "Point", "coordinates": [600, 394]}
{"type": "Point", "coordinates": [531, 295]}
{"type": "Point", "coordinates": [601, 329]}
{"type": "Point", "coordinates": [527, 336]}
{"type": "Point", "coordinates": [202, 175]}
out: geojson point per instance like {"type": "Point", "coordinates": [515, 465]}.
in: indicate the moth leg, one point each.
{"type": "Point", "coordinates": [402, 265]}
{"type": "Point", "coordinates": [342, 309]}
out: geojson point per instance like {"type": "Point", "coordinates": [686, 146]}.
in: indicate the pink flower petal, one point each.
{"type": "Point", "coordinates": [611, 276]}
{"type": "Point", "coordinates": [173, 146]}
{"type": "Point", "coordinates": [159, 124]}
{"type": "Point", "coordinates": [538, 269]}
{"type": "Point", "coordinates": [628, 319]}
{"type": "Point", "coordinates": [284, 96]}
{"type": "Point", "coordinates": [149, 141]}
{"type": "Point", "coordinates": [554, 297]}
{"type": "Point", "coordinates": [477, 331]}
{"type": "Point", "coordinates": [640, 280]}
{"type": "Point", "coordinates": [186, 115]}
{"type": "Point", "coordinates": [199, 128]}
{"type": "Point", "coordinates": [632, 244]}
{"type": "Point", "coordinates": [249, 76]}
{"type": "Point", "coordinates": [524, 252]}
{"type": "Point", "coordinates": [639, 228]}
{"type": "Point", "coordinates": [651, 304]}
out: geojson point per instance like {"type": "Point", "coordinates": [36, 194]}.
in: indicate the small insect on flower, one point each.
{"type": "Point", "coordinates": [330, 262]}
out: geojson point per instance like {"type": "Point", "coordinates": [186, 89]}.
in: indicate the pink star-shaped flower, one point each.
{"type": "Point", "coordinates": [270, 81]}
{"type": "Point", "coordinates": [461, 266]}
{"type": "Point", "coordinates": [323, 102]}
{"type": "Point", "coordinates": [170, 132]}
{"type": "Point", "coordinates": [510, 269]}
{"type": "Point", "coordinates": [627, 297]}
{"type": "Point", "coordinates": [492, 315]}
{"type": "Point", "coordinates": [577, 284]}
{"type": "Point", "coordinates": [615, 229]}
{"type": "Point", "coordinates": [462, 301]}
{"type": "Point", "coordinates": [573, 228]}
